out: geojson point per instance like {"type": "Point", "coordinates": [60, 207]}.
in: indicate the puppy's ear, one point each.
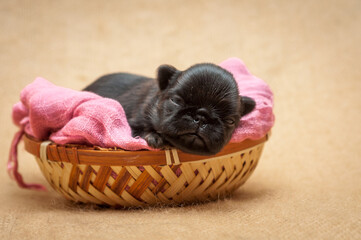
{"type": "Point", "coordinates": [164, 75]}
{"type": "Point", "coordinates": [248, 105]}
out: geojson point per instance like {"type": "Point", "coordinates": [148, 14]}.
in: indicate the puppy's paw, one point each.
{"type": "Point", "coordinates": [154, 140]}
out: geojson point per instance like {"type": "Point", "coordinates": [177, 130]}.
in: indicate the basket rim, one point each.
{"type": "Point", "coordinates": [83, 154]}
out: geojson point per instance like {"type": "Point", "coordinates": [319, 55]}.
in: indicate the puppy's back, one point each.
{"type": "Point", "coordinates": [116, 84]}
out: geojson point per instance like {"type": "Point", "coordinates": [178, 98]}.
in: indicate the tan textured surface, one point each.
{"type": "Point", "coordinates": [308, 182]}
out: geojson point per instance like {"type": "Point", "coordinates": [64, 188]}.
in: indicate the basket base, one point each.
{"type": "Point", "coordinates": [137, 186]}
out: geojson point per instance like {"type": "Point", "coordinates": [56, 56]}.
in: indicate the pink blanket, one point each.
{"type": "Point", "coordinates": [65, 116]}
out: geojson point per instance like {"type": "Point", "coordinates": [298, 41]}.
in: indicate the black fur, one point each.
{"type": "Point", "coordinates": [195, 110]}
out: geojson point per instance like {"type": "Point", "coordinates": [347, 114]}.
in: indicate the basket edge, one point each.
{"type": "Point", "coordinates": [78, 154]}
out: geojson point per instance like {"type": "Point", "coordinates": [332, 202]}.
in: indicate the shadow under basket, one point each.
{"type": "Point", "coordinates": [137, 178]}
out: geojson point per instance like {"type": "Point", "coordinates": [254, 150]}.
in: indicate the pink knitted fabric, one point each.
{"type": "Point", "coordinates": [65, 116]}
{"type": "Point", "coordinates": [257, 123]}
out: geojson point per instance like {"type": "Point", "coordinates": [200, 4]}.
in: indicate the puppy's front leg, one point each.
{"type": "Point", "coordinates": [155, 140]}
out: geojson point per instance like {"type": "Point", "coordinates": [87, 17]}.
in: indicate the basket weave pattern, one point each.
{"type": "Point", "coordinates": [151, 184]}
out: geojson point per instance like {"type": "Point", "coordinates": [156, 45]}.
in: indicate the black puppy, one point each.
{"type": "Point", "coordinates": [195, 110]}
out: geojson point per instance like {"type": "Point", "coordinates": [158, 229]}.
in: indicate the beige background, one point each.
{"type": "Point", "coordinates": [308, 182]}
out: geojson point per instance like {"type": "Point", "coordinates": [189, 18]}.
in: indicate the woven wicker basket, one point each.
{"type": "Point", "coordinates": [136, 178]}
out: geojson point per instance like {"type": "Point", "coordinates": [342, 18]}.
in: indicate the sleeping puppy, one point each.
{"type": "Point", "coordinates": [195, 110]}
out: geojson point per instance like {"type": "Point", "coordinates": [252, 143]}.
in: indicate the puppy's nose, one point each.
{"type": "Point", "coordinates": [201, 116]}
{"type": "Point", "coordinates": [199, 119]}
{"type": "Point", "coordinates": [203, 112]}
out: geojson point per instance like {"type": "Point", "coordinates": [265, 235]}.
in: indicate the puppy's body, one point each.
{"type": "Point", "coordinates": [137, 94]}
{"type": "Point", "coordinates": [195, 110]}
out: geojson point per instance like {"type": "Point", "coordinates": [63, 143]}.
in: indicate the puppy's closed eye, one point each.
{"type": "Point", "coordinates": [176, 100]}
{"type": "Point", "coordinates": [229, 121]}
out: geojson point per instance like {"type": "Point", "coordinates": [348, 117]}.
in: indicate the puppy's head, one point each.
{"type": "Point", "coordinates": [199, 108]}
